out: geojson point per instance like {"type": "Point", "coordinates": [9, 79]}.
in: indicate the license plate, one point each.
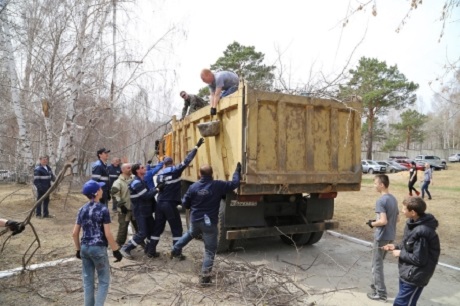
{"type": "Point", "coordinates": [236, 203]}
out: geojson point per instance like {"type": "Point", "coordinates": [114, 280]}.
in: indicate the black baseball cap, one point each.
{"type": "Point", "coordinates": [102, 150]}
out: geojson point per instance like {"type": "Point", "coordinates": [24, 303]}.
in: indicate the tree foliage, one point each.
{"type": "Point", "coordinates": [381, 88]}
{"type": "Point", "coordinates": [410, 129]}
{"type": "Point", "coordinates": [247, 63]}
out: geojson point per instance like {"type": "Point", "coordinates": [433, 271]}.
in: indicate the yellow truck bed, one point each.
{"type": "Point", "coordinates": [287, 144]}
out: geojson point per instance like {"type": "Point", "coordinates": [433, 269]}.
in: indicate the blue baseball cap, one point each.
{"type": "Point", "coordinates": [167, 160]}
{"type": "Point", "coordinates": [91, 187]}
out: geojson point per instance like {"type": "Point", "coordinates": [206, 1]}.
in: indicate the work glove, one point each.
{"type": "Point", "coordinates": [160, 186]}
{"type": "Point", "coordinates": [15, 226]}
{"type": "Point", "coordinates": [124, 210]}
{"type": "Point", "coordinates": [117, 255]}
{"type": "Point", "coordinates": [238, 168]}
{"type": "Point", "coordinates": [78, 254]}
{"type": "Point", "coordinates": [149, 161]}
{"type": "Point", "coordinates": [200, 142]}
{"type": "Point", "coordinates": [213, 111]}
{"type": "Point", "coordinates": [369, 223]}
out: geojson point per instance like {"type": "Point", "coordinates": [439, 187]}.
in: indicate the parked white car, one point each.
{"type": "Point", "coordinates": [371, 166]}
{"type": "Point", "coordinates": [454, 158]}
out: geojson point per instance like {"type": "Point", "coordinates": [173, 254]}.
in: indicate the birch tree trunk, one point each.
{"type": "Point", "coordinates": [24, 152]}
{"type": "Point", "coordinates": [66, 147]}
{"type": "Point", "coordinates": [85, 42]}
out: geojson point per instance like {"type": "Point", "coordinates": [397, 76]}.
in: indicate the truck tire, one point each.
{"type": "Point", "coordinates": [315, 237]}
{"type": "Point", "coordinates": [297, 239]}
{"type": "Point", "coordinates": [370, 171]}
{"type": "Point", "coordinates": [223, 244]}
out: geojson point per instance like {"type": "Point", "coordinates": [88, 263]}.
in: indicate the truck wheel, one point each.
{"type": "Point", "coordinates": [315, 237]}
{"type": "Point", "coordinates": [370, 171]}
{"type": "Point", "coordinates": [297, 239]}
{"type": "Point", "coordinates": [223, 244]}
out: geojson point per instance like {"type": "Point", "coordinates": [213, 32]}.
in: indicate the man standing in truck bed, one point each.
{"type": "Point", "coordinates": [192, 103]}
{"type": "Point", "coordinates": [169, 197]}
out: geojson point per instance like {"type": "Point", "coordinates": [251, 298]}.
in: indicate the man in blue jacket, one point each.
{"type": "Point", "coordinates": [114, 170]}
{"type": "Point", "coordinates": [100, 173]}
{"type": "Point", "coordinates": [43, 176]}
{"type": "Point", "coordinates": [169, 197]}
{"type": "Point", "coordinates": [151, 173]}
{"type": "Point", "coordinates": [203, 200]}
{"type": "Point", "coordinates": [143, 204]}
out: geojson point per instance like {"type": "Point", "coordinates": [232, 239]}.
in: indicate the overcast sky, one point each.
{"type": "Point", "coordinates": [310, 34]}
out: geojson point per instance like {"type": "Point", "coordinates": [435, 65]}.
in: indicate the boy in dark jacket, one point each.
{"type": "Point", "coordinates": [418, 252]}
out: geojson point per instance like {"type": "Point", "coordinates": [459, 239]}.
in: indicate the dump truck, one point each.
{"type": "Point", "coordinates": [297, 153]}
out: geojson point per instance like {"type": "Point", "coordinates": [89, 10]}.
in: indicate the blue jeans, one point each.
{"type": "Point", "coordinates": [94, 258]}
{"type": "Point", "coordinates": [408, 294]}
{"type": "Point", "coordinates": [210, 243]}
{"type": "Point", "coordinates": [378, 255]}
{"type": "Point", "coordinates": [229, 91]}
{"type": "Point", "coordinates": [425, 189]}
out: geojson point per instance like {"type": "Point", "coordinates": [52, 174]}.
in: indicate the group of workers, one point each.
{"type": "Point", "coordinates": [148, 205]}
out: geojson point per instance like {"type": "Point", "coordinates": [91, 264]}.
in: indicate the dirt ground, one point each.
{"type": "Point", "coordinates": [166, 282]}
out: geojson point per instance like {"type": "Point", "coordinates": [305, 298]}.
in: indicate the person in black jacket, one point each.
{"type": "Point", "coordinates": [418, 252]}
{"type": "Point", "coordinates": [413, 179]}
{"type": "Point", "coordinates": [203, 200]}
{"type": "Point", "coordinates": [43, 176]}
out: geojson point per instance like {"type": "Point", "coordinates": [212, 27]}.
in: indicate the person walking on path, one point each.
{"type": "Point", "coordinates": [427, 180]}
{"type": "Point", "coordinates": [203, 200]}
{"type": "Point", "coordinates": [418, 252]}
{"type": "Point", "coordinates": [387, 215]}
{"type": "Point", "coordinates": [94, 219]}
{"type": "Point", "coordinates": [43, 176]}
{"type": "Point", "coordinates": [413, 179]}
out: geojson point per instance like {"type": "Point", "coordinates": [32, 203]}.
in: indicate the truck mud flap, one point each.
{"type": "Point", "coordinates": [279, 230]}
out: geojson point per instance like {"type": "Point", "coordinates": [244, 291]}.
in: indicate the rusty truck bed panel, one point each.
{"type": "Point", "coordinates": [286, 143]}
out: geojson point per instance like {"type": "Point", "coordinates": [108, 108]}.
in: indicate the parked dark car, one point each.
{"type": "Point", "coordinates": [392, 166]}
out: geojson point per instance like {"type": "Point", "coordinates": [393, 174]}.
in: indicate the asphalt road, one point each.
{"type": "Point", "coordinates": [342, 268]}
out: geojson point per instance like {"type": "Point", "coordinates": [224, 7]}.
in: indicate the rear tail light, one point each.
{"type": "Point", "coordinates": [329, 195]}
